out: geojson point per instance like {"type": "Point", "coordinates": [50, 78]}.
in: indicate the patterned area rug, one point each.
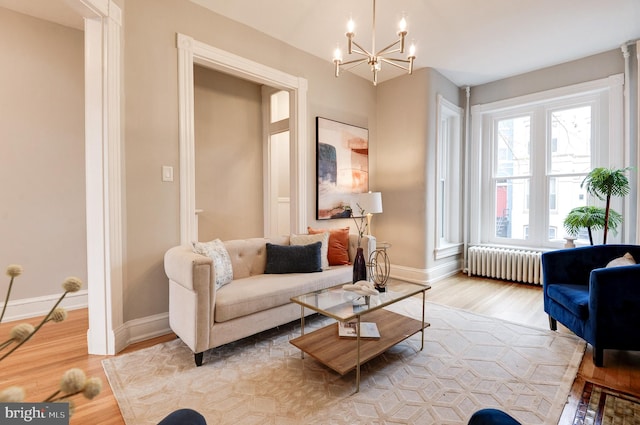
{"type": "Point", "coordinates": [603, 406]}
{"type": "Point", "coordinates": [469, 362]}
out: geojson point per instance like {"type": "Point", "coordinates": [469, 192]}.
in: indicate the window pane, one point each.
{"type": "Point", "coordinates": [512, 217]}
{"type": "Point", "coordinates": [567, 196]}
{"type": "Point", "coordinates": [571, 140]}
{"type": "Point", "coordinates": [512, 147]}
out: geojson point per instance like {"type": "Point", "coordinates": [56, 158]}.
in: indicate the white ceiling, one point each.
{"type": "Point", "coordinates": [469, 41]}
{"type": "Point", "coordinates": [57, 11]}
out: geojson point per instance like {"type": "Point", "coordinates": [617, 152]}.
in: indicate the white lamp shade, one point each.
{"type": "Point", "coordinates": [370, 202]}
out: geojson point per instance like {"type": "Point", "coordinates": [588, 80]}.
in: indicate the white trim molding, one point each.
{"type": "Point", "coordinates": [192, 52]}
{"type": "Point", "coordinates": [444, 269]}
{"type": "Point", "coordinates": [27, 308]}
{"type": "Point", "coordinates": [142, 329]}
{"type": "Point", "coordinates": [103, 158]}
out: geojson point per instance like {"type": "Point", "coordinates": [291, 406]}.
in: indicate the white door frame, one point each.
{"type": "Point", "coordinates": [103, 162]}
{"type": "Point", "coordinates": [192, 52]}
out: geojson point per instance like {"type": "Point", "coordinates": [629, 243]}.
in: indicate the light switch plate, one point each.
{"type": "Point", "coordinates": [167, 173]}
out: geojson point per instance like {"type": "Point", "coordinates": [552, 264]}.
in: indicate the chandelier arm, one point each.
{"type": "Point", "coordinates": [393, 63]}
{"type": "Point", "coordinates": [362, 50]}
{"type": "Point", "coordinates": [352, 64]}
{"type": "Point", "coordinates": [392, 60]}
{"type": "Point", "coordinates": [384, 51]}
{"type": "Point", "coordinates": [359, 52]}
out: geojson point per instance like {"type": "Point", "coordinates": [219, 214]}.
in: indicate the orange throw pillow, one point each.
{"type": "Point", "coordinates": [338, 253]}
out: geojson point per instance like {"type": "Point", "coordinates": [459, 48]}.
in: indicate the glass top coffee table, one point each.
{"type": "Point", "coordinates": [345, 354]}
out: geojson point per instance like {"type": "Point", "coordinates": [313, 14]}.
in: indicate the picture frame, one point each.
{"type": "Point", "coordinates": [342, 166]}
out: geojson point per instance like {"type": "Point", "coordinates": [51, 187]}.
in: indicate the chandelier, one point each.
{"type": "Point", "coordinates": [373, 58]}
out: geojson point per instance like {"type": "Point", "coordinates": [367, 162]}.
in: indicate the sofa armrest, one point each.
{"type": "Point", "coordinates": [181, 265]}
{"type": "Point", "coordinates": [614, 297]}
{"type": "Point", "coordinates": [191, 295]}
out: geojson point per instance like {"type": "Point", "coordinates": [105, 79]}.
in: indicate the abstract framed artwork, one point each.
{"type": "Point", "coordinates": [342, 155]}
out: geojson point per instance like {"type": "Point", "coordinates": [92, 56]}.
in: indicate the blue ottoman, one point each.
{"type": "Point", "coordinates": [492, 417]}
{"type": "Point", "coordinates": [184, 417]}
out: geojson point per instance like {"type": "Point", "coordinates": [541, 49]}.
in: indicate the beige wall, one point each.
{"type": "Point", "coordinates": [578, 71]}
{"type": "Point", "coordinates": [405, 164]}
{"type": "Point", "coordinates": [228, 156]}
{"type": "Point", "coordinates": [151, 126]}
{"type": "Point", "coordinates": [42, 192]}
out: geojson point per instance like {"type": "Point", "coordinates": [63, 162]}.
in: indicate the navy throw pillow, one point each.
{"type": "Point", "coordinates": [293, 258]}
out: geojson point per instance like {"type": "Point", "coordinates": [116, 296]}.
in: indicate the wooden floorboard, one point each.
{"type": "Point", "coordinates": [39, 364]}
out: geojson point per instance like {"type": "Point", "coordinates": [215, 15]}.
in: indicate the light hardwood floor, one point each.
{"type": "Point", "coordinates": [38, 365]}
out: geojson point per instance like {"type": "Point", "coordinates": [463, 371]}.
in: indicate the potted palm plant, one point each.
{"type": "Point", "coordinates": [603, 183]}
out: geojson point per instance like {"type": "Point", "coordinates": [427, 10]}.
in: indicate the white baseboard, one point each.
{"type": "Point", "coordinates": [27, 308]}
{"type": "Point", "coordinates": [427, 276]}
{"type": "Point", "coordinates": [131, 332]}
{"type": "Point", "coordinates": [142, 329]}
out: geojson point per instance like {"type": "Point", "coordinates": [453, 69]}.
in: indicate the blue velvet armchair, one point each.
{"type": "Point", "coordinates": [600, 305]}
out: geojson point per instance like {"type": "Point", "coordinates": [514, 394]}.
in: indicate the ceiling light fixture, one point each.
{"type": "Point", "coordinates": [375, 59]}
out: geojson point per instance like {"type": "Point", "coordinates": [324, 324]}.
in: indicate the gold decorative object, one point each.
{"type": "Point", "coordinates": [379, 266]}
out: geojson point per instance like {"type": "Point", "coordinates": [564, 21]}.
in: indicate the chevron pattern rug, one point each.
{"type": "Point", "coordinates": [469, 362]}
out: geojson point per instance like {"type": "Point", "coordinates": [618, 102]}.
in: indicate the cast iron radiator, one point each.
{"type": "Point", "coordinates": [517, 265]}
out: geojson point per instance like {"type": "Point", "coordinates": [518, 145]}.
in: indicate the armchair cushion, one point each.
{"type": "Point", "coordinates": [626, 260]}
{"type": "Point", "coordinates": [574, 298]}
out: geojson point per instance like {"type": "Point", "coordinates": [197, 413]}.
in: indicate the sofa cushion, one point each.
{"type": "Point", "coordinates": [243, 297]}
{"type": "Point", "coordinates": [574, 298]}
{"type": "Point", "coordinates": [338, 250]}
{"type": "Point", "coordinates": [249, 256]}
{"type": "Point", "coordinates": [293, 258]}
{"type": "Point", "coordinates": [216, 250]}
{"type": "Point", "coordinates": [626, 260]}
{"type": "Point", "coordinates": [309, 239]}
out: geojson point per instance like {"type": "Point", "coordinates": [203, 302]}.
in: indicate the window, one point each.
{"type": "Point", "coordinates": [449, 179]}
{"type": "Point", "coordinates": [511, 175]}
{"type": "Point", "coordinates": [534, 153]}
{"type": "Point", "coordinates": [553, 197]}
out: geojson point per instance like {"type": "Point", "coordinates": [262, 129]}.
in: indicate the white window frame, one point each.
{"type": "Point", "coordinates": [449, 174]}
{"type": "Point", "coordinates": [607, 150]}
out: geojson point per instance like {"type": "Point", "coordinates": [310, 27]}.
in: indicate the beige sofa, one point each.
{"type": "Point", "coordinates": [205, 317]}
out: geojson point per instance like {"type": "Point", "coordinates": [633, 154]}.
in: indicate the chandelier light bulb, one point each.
{"type": "Point", "coordinates": [337, 54]}
{"type": "Point", "coordinates": [403, 25]}
{"type": "Point", "coordinates": [412, 50]}
{"type": "Point", "coordinates": [351, 26]}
